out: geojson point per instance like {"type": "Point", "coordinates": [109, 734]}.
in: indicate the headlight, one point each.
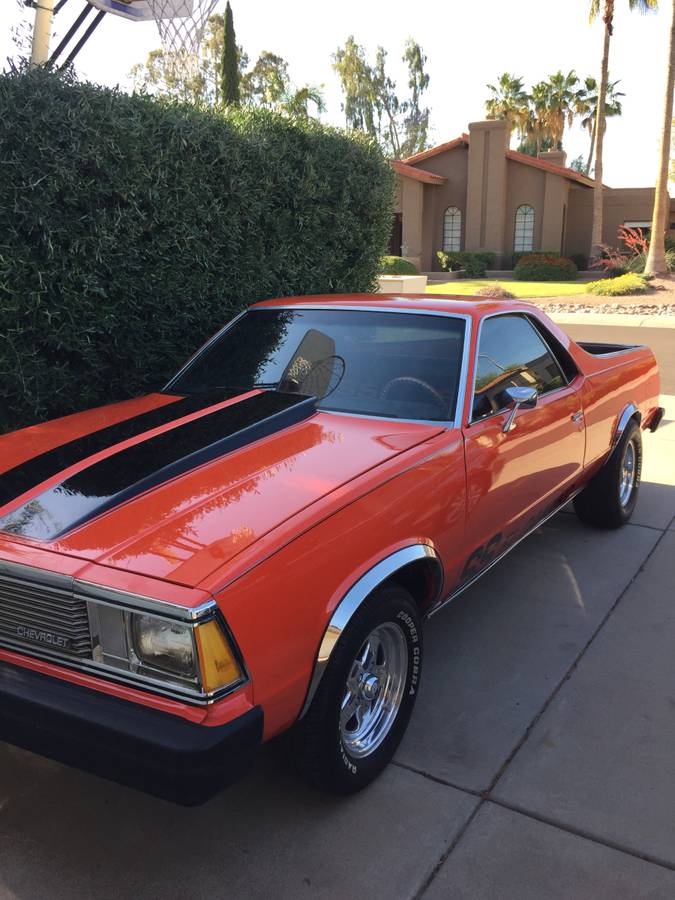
{"type": "Point", "coordinates": [164, 645]}
{"type": "Point", "coordinates": [195, 657]}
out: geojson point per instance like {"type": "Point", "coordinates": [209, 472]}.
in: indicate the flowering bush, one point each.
{"type": "Point", "coordinates": [517, 255]}
{"type": "Point", "coordinates": [537, 267]}
{"type": "Point", "coordinates": [632, 256]}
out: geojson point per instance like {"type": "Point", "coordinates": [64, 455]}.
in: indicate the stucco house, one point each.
{"type": "Point", "coordinates": [474, 193]}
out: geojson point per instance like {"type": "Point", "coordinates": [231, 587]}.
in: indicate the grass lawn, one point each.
{"type": "Point", "coordinates": [521, 289]}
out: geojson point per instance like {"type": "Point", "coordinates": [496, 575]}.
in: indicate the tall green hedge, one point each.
{"type": "Point", "coordinates": [131, 228]}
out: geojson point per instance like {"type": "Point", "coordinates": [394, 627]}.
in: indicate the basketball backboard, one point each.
{"type": "Point", "coordinates": [144, 10]}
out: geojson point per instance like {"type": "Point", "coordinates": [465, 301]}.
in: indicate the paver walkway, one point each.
{"type": "Point", "coordinates": [540, 762]}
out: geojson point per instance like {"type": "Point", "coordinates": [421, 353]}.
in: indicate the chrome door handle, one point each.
{"type": "Point", "coordinates": [577, 416]}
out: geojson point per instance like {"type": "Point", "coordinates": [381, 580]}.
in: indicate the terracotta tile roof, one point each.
{"type": "Point", "coordinates": [524, 158]}
{"type": "Point", "coordinates": [549, 167]}
{"type": "Point", "coordinates": [418, 174]}
{"type": "Point", "coordinates": [441, 148]}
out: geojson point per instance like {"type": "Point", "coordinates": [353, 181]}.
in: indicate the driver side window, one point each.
{"type": "Point", "coordinates": [511, 354]}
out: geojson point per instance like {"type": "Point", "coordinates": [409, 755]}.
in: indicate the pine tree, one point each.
{"type": "Point", "coordinates": [230, 70]}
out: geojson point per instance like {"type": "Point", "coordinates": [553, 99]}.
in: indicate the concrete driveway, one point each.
{"type": "Point", "coordinates": [540, 762]}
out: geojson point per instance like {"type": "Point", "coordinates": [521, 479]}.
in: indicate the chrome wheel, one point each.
{"type": "Point", "coordinates": [374, 690]}
{"type": "Point", "coordinates": [628, 473]}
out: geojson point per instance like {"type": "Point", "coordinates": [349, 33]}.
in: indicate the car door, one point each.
{"type": "Point", "coordinates": [515, 477]}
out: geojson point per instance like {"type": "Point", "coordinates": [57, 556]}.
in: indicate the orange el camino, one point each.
{"type": "Point", "coordinates": [256, 547]}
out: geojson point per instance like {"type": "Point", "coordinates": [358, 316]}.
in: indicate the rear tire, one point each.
{"type": "Point", "coordinates": [609, 499]}
{"type": "Point", "coordinates": [366, 696]}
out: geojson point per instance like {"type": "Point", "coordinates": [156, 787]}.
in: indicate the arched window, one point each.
{"type": "Point", "coordinates": [523, 238]}
{"type": "Point", "coordinates": [452, 230]}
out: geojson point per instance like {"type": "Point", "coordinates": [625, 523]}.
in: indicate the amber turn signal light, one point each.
{"type": "Point", "coordinates": [217, 662]}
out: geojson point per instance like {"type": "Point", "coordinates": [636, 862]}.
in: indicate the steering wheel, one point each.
{"type": "Point", "coordinates": [417, 383]}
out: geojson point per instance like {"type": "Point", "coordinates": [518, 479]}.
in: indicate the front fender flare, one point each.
{"type": "Point", "coordinates": [357, 595]}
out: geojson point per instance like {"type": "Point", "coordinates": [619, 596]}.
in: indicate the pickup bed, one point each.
{"type": "Point", "coordinates": [256, 547]}
{"type": "Point", "coordinates": [597, 349]}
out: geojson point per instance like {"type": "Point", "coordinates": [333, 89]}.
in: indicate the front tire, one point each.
{"type": "Point", "coordinates": [366, 696]}
{"type": "Point", "coordinates": [609, 499]}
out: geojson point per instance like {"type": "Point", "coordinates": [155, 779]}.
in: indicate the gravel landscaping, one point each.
{"type": "Point", "coordinates": [638, 309]}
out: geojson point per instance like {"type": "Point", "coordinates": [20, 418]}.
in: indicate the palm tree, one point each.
{"type": "Point", "coordinates": [563, 102]}
{"type": "Point", "coordinates": [606, 8]}
{"type": "Point", "coordinates": [538, 127]}
{"type": "Point", "coordinates": [656, 257]}
{"type": "Point", "coordinates": [589, 110]}
{"type": "Point", "coordinates": [509, 101]}
{"type": "Point", "coordinates": [296, 101]}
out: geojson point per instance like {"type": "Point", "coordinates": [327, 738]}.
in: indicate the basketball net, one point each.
{"type": "Point", "coordinates": [181, 25]}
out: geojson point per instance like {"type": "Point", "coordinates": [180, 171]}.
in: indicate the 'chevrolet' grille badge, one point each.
{"type": "Point", "coordinates": [39, 636]}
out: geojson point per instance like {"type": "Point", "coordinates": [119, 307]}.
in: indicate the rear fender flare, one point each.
{"type": "Point", "coordinates": [630, 411]}
{"type": "Point", "coordinates": [358, 594]}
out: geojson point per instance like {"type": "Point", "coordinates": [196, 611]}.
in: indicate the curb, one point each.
{"type": "Point", "coordinates": [630, 320]}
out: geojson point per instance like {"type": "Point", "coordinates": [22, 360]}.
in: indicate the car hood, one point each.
{"type": "Point", "coordinates": [183, 496]}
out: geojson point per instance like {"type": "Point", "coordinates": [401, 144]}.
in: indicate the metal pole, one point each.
{"type": "Point", "coordinates": [42, 31]}
{"type": "Point", "coordinates": [85, 37]}
{"type": "Point", "coordinates": [87, 9]}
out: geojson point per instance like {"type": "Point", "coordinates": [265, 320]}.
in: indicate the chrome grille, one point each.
{"type": "Point", "coordinates": [43, 617]}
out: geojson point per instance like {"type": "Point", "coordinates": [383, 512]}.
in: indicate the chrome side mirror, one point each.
{"type": "Point", "coordinates": [519, 396]}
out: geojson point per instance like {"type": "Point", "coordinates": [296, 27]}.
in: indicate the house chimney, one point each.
{"type": "Point", "coordinates": [557, 157]}
{"type": "Point", "coordinates": [486, 186]}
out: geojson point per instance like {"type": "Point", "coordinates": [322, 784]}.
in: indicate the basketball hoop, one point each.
{"type": "Point", "coordinates": [181, 25]}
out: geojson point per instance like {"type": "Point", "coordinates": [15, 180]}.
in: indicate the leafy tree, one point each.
{"type": "Point", "coordinates": [510, 101]}
{"type": "Point", "coordinates": [230, 66]}
{"type": "Point", "coordinates": [656, 258]}
{"type": "Point", "coordinates": [416, 122]}
{"type": "Point", "coordinates": [589, 110]}
{"type": "Point", "coordinates": [605, 10]}
{"type": "Point", "coordinates": [371, 102]}
{"type": "Point", "coordinates": [266, 85]}
{"type": "Point", "coordinates": [158, 75]}
{"type": "Point", "coordinates": [267, 82]}
{"type": "Point", "coordinates": [578, 165]}
{"type": "Point", "coordinates": [356, 79]}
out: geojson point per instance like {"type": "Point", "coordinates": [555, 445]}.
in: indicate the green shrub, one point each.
{"type": "Point", "coordinates": [396, 265]}
{"type": "Point", "coordinates": [634, 264]}
{"type": "Point", "coordinates": [638, 262]}
{"type": "Point", "coordinates": [474, 263]}
{"type": "Point", "coordinates": [517, 255]}
{"type": "Point", "coordinates": [495, 292]}
{"type": "Point", "coordinates": [131, 228]}
{"type": "Point", "coordinates": [537, 267]}
{"type": "Point", "coordinates": [580, 260]}
{"type": "Point", "coordinates": [619, 287]}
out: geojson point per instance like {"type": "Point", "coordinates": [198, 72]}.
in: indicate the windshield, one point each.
{"type": "Point", "coordinates": [398, 365]}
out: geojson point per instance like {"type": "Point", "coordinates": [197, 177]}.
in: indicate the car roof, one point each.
{"type": "Point", "coordinates": [475, 307]}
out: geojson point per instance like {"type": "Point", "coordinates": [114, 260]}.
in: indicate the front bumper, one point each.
{"type": "Point", "coordinates": [134, 745]}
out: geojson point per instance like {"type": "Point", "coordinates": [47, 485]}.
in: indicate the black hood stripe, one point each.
{"type": "Point", "coordinates": [133, 470]}
{"type": "Point", "coordinates": [35, 471]}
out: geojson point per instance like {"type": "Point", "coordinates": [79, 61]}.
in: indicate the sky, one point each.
{"type": "Point", "coordinates": [467, 45]}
